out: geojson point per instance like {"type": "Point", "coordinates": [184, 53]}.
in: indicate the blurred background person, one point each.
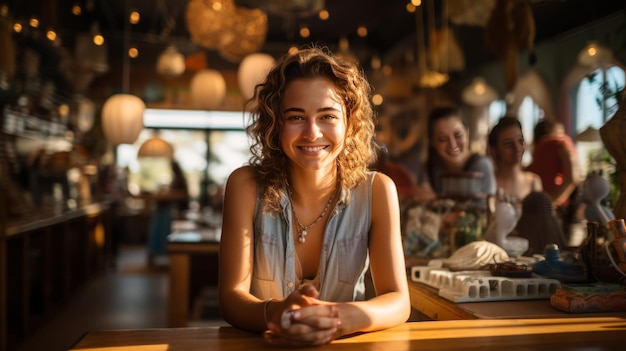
{"type": "Point", "coordinates": [401, 176]}
{"type": "Point", "coordinates": [449, 151]}
{"type": "Point", "coordinates": [555, 160]}
{"type": "Point", "coordinates": [506, 146]}
{"type": "Point", "coordinates": [169, 203]}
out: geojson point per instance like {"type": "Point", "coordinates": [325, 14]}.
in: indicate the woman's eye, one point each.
{"type": "Point", "coordinates": [329, 117]}
{"type": "Point", "coordinates": [294, 118]}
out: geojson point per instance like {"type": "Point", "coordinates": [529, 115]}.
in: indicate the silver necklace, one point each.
{"type": "Point", "coordinates": [302, 231]}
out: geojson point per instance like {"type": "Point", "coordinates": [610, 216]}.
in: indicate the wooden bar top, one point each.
{"type": "Point", "coordinates": [50, 216]}
{"type": "Point", "coordinates": [427, 301]}
{"type": "Point", "coordinates": [554, 334]}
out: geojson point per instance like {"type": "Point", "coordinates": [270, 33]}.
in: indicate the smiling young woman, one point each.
{"type": "Point", "coordinates": [305, 220]}
{"type": "Point", "coordinates": [449, 151]}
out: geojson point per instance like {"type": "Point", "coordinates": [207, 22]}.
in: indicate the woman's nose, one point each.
{"type": "Point", "coordinates": [311, 131]}
{"type": "Point", "coordinates": [453, 143]}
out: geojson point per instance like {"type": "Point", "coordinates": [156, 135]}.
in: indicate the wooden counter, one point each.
{"type": "Point", "coordinates": [426, 301]}
{"type": "Point", "coordinates": [526, 334]}
{"type": "Point", "coordinates": [46, 257]}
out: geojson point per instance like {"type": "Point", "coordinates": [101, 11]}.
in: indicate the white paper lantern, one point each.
{"type": "Point", "coordinates": [122, 118]}
{"type": "Point", "coordinates": [171, 63]}
{"type": "Point", "coordinates": [252, 71]}
{"type": "Point", "coordinates": [479, 93]}
{"type": "Point", "coordinates": [84, 115]}
{"type": "Point", "coordinates": [208, 89]}
{"type": "Point", "coordinates": [156, 147]}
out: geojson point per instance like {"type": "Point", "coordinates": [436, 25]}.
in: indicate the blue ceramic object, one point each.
{"type": "Point", "coordinates": [553, 267]}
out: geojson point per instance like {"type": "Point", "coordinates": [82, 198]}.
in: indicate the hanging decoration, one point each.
{"type": "Point", "coordinates": [428, 78]}
{"type": "Point", "coordinates": [171, 63]}
{"type": "Point", "coordinates": [122, 114]}
{"type": "Point", "coordinates": [252, 71]}
{"type": "Point", "coordinates": [595, 55]}
{"type": "Point", "coordinates": [84, 113]}
{"type": "Point", "coordinates": [531, 84]}
{"type": "Point", "coordinates": [122, 118]}
{"type": "Point", "coordinates": [445, 53]}
{"type": "Point", "coordinates": [208, 89]}
{"type": "Point", "coordinates": [510, 29]}
{"type": "Point", "coordinates": [208, 20]}
{"type": "Point", "coordinates": [471, 12]}
{"type": "Point", "coordinates": [233, 31]}
{"type": "Point", "coordinates": [7, 52]}
{"type": "Point", "coordinates": [479, 93]}
{"type": "Point", "coordinates": [247, 34]}
{"type": "Point", "coordinates": [156, 147]}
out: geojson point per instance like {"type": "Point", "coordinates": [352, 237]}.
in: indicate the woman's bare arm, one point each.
{"type": "Point", "coordinates": [391, 306]}
{"type": "Point", "coordinates": [237, 306]}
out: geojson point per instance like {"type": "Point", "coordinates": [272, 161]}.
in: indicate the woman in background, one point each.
{"type": "Point", "coordinates": [449, 152]}
{"type": "Point", "coordinates": [506, 147]}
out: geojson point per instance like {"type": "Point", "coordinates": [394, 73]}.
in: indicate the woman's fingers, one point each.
{"type": "Point", "coordinates": [314, 325]}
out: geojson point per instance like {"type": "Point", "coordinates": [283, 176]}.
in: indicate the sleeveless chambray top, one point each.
{"type": "Point", "coordinates": [344, 258]}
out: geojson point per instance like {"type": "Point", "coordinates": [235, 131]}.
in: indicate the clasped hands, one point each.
{"type": "Point", "coordinates": [303, 320]}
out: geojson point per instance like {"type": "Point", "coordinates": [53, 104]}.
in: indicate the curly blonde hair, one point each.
{"type": "Point", "coordinates": [270, 164]}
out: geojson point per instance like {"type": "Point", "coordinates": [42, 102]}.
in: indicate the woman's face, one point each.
{"type": "Point", "coordinates": [510, 146]}
{"type": "Point", "coordinates": [450, 140]}
{"type": "Point", "coordinates": [314, 123]}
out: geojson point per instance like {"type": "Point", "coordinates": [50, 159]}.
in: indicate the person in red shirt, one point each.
{"type": "Point", "coordinates": [555, 161]}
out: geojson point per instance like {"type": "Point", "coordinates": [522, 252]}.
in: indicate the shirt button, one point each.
{"type": "Point", "coordinates": [290, 284]}
{"type": "Point", "coordinates": [325, 247]}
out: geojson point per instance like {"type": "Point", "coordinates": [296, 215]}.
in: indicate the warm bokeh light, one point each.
{"type": "Point", "coordinates": [592, 51]}
{"type": "Point", "coordinates": [76, 10]}
{"type": "Point", "coordinates": [376, 63]}
{"type": "Point", "coordinates": [305, 32]}
{"type": "Point", "coordinates": [362, 31]}
{"type": "Point", "coordinates": [64, 110]}
{"type": "Point", "coordinates": [17, 27]}
{"type": "Point", "coordinates": [51, 35]}
{"type": "Point", "coordinates": [98, 39]}
{"type": "Point", "coordinates": [33, 22]}
{"type": "Point", "coordinates": [134, 17]}
{"type": "Point", "coordinates": [410, 8]}
{"type": "Point", "coordinates": [293, 50]}
{"type": "Point", "coordinates": [377, 99]}
{"type": "Point", "coordinates": [387, 70]}
{"type": "Point", "coordinates": [324, 15]}
{"type": "Point", "coordinates": [133, 52]}
{"type": "Point", "coordinates": [4, 10]}
{"type": "Point", "coordinates": [416, 3]}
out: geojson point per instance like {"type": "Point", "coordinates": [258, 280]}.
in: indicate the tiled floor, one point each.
{"type": "Point", "coordinates": [130, 297]}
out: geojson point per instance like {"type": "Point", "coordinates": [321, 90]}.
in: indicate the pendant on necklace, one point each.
{"type": "Point", "coordinates": [302, 236]}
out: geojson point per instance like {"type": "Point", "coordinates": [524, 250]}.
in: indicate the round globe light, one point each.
{"type": "Point", "coordinates": [208, 89]}
{"type": "Point", "coordinates": [171, 63]}
{"type": "Point", "coordinates": [122, 118]}
{"type": "Point", "coordinates": [252, 70]}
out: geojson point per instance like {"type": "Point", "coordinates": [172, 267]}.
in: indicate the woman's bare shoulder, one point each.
{"type": "Point", "coordinates": [242, 177]}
